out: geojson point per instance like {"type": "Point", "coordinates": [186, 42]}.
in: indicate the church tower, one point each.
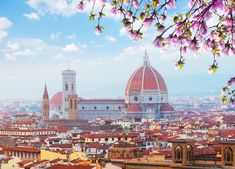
{"type": "Point", "coordinates": [69, 88]}
{"type": "Point", "coordinates": [45, 105]}
{"type": "Point", "coordinates": [72, 112]}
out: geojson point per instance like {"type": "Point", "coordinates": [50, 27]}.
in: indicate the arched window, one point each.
{"type": "Point", "coordinates": [228, 156]}
{"type": "Point", "coordinates": [75, 104]}
{"type": "Point", "coordinates": [178, 154]}
{"type": "Point", "coordinates": [189, 152]}
{"type": "Point", "coordinates": [71, 104]}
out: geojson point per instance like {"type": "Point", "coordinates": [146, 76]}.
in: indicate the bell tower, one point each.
{"type": "Point", "coordinates": [72, 107]}
{"type": "Point", "coordinates": [69, 88]}
{"type": "Point", "coordinates": [45, 105]}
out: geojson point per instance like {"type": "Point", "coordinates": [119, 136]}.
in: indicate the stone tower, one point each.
{"type": "Point", "coordinates": [72, 107]}
{"type": "Point", "coordinates": [45, 105]}
{"type": "Point", "coordinates": [69, 88]}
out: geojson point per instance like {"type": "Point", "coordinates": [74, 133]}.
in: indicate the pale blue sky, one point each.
{"type": "Point", "coordinates": [40, 38]}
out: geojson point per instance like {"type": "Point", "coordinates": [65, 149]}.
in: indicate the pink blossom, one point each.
{"type": "Point", "coordinates": [135, 3]}
{"type": "Point", "coordinates": [193, 45]}
{"type": "Point", "coordinates": [207, 15]}
{"type": "Point", "coordinates": [218, 4]}
{"type": "Point", "coordinates": [102, 1]}
{"type": "Point", "coordinates": [147, 21]}
{"type": "Point", "coordinates": [137, 35]}
{"type": "Point", "coordinates": [159, 42]}
{"type": "Point", "coordinates": [227, 50]}
{"type": "Point", "coordinates": [191, 3]}
{"type": "Point", "coordinates": [80, 6]}
{"type": "Point", "coordinates": [203, 28]}
{"type": "Point", "coordinates": [195, 25]}
{"type": "Point", "coordinates": [98, 30]}
{"type": "Point", "coordinates": [231, 81]}
{"type": "Point", "coordinates": [170, 4]}
{"type": "Point", "coordinates": [113, 10]}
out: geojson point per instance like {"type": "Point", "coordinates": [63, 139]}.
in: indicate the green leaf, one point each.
{"type": "Point", "coordinates": [176, 19]}
{"type": "Point", "coordinates": [142, 15]}
{"type": "Point", "coordinates": [92, 17]}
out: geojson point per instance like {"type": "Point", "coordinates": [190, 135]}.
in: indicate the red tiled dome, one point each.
{"type": "Point", "coordinates": [57, 99]}
{"type": "Point", "coordinates": [145, 78]}
{"type": "Point", "coordinates": [166, 107]}
{"type": "Point", "coordinates": [133, 108]}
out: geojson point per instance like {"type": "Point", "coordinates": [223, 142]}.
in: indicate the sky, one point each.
{"type": "Point", "coordinates": [41, 38]}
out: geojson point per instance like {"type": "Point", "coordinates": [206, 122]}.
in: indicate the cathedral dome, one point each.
{"type": "Point", "coordinates": [56, 99]}
{"type": "Point", "coordinates": [145, 78]}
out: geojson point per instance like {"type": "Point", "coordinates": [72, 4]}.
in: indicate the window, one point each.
{"type": "Point", "coordinates": [66, 87]}
{"type": "Point", "coordinates": [178, 154]}
{"type": "Point", "coordinates": [75, 104]}
{"type": "Point", "coordinates": [228, 156]}
{"type": "Point", "coordinates": [95, 107]}
{"type": "Point", "coordinates": [119, 107]}
{"type": "Point", "coordinates": [136, 98]}
{"type": "Point", "coordinates": [71, 104]}
{"type": "Point", "coordinates": [83, 107]}
{"type": "Point", "coordinates": [106, 139]}
{"type": "Point", "coordinates": [150, 98]}
{"type": "Point", "coordinates": [189, 152]}
{"type": "Point", "coordinates": [107, 107]}
{"type": "Point", "coordinates": [72, 87]}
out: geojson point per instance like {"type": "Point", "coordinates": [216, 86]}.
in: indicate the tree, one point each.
{"type": "Point", "coordinates": [188, 30]}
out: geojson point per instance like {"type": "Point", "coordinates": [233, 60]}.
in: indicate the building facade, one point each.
{"type": "Point", "coordinates": [146, 96]}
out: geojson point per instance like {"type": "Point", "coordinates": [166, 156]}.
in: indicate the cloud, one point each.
{"type": "Point", "coordinates": [73, 47]}
{"type": "Point", "coordinates": [54, 7]}
{"type": "Point", "coordinates": [71, 36]}
{"type": "Point", "coordinates": [55, 36]}
{"type": "Point", "coordinates": [3, 34]}
{"type": "Point", "coordinates": [11, 46]}
{"type": "Point", "coordinates": [32, 16]}
{"type": "Point", "coordinates": [68, 8]}
{"type": "Point", "coordinates": [26, 48]}
{"type": "Point", "coordinates": [110, 38]}
{"type": "Point", "coordinates": [4, 25]}
{"type": "Point", "coordinates": [19, 53]}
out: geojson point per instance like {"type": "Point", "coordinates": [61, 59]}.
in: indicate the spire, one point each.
{"type": "Point", "coordinates": [146, 58]}
{"type": "Point", "coordinates": [45, 93]}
